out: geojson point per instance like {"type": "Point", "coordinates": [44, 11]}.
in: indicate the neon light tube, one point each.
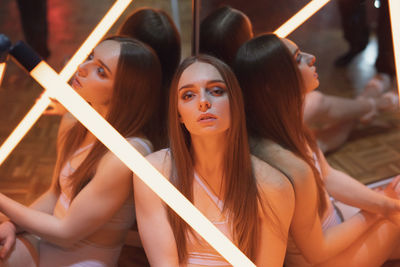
{"type": "Point", "coordinates": [300, 17]}
{"type": "Point", "coordinates": [117, 144]}
{"type": "Point", "coordinates": [2, 71]}
{"type": "Point", "coordinates": [40, 106]}
{"type": "Point", "coordinates": [101, 29]}
{"type": "Point", "coordinates": [394, 8]}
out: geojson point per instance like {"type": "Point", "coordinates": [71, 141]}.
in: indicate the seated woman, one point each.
{"type": "Point", "coordinates": [275, 75]}
{"type": "Point", "coordinates": [330, 118]}
{"type": "Point", "coordinates": [83, 218]}
{"type": "Point", "coordinates": [210, 163]}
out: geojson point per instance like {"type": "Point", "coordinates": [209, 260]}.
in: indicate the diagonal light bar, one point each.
{"type": "Point", "coordinates": [2, 70]}
{"type": "Point", "coordinates": [117, 144]}
{"type": "Point", "coordinates": [43, 102]}
{"type": "Point", "coordinates": [24, 126]}
{"type": "Point", "coordinates": [101, 29]}
{"type": "Point", "coordinates": [394, 11]}
{"type": "Point", "coordinates": [300, 17]}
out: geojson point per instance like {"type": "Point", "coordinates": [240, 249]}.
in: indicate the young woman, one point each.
{"type": "Point", "coordinates": [84, 216]}
{"type": "Point", "coordinates": [330, 118]}
{"type": "Point", "coordinates": [155, 28]}
{"type": "Point", "coordinates": [210, 163]}
{"type": "Point", "coordinates": [275, 76]}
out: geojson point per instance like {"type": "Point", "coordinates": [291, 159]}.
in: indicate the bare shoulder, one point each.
{"type": "Point", "coordinates": [269, 178]}
{"type": "Point", "coordinates": [161, 160]}
{"type": "Point", "coordinates": [276, 191]}
{"type": "Point", "coordinates": [286, 161]}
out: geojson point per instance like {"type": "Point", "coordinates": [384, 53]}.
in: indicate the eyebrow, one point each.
{"type": "Point", "coordinates": [209, 82]}
{"type": "Point", "coordinates": [296, 51]}
{"type": "Point", "coordinates": [104, 65]}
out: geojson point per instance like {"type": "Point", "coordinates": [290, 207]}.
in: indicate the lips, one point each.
{"type": "Point", "coordinates": [206, 117]}
{"type": "Point", "coordinates": [76, 82]}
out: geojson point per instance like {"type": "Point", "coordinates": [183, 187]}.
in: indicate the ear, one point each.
{"type": "Point", "coordinates": [180, 118]}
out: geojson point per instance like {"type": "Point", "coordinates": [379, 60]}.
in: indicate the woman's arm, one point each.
{"type": "Point", "coordinates": [315, 244]}
{"type": "Point", "coordinates": [351, 192]}
{"type": "Point", "coordinates": [321, 109]}
{"type": "Point", "coordinates": [91, 208]}
{"type": "Point", "coordinates": [306, 227]}
{"type": "Point", "coordinates": [277, 198]}
{"type": "Point", "coordinates": [155, 231]}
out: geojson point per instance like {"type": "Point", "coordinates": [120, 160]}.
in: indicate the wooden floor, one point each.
{"type": "Point", "coordinates": [372, 153]}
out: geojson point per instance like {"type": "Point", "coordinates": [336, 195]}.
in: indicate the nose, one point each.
{"type": "Point", "coordinates": [310, 59]}
{"type": "Point", "coordinates": [82, 70]}
{"type": "Point", "coordinates": [204, 103]}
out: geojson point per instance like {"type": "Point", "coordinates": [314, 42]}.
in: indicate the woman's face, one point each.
{"type": "Point", "coordinates": [94, 79]}
{"type": "Point", "coordinates": [305, 62]}
{"type": "Point", "coordinates": [203, 101]}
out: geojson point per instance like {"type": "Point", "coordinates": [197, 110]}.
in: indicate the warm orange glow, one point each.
{"type": "Point", "coordinates": [117, 144]}
{"type": "Point", "coordinates": [300, 17]}
{"type": "Point", "coordinates": [40, 106]}
{"type": "Point", "coordinates": [2, 71]}
{"type": "Point", "coordinates": [394, 10]}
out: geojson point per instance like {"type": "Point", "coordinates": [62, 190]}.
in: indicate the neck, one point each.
{"type": "Point", "coordinates": [208, 153]}
{"type": "Point", "coordinates": [102, 109]}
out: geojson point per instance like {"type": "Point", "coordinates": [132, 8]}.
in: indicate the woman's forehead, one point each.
{"type": "Point", "coordinates": [199, 72]}
{"type": "Point", "coordinates": [290, 45]}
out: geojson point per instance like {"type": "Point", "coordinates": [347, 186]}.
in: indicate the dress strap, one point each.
{"type": "Point", "coordinates": [142, 142]}
{"type": "Point", "coordinates": [80, 150]}
{"type": "Point", "coordinates": [214, 198]}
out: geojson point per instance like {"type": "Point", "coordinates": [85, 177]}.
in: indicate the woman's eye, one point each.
{"type": "Point", "coordinates": [101, 71]}
{"type": "Point", "coordinates": [299, 58]}
{"type": "Point", "coordinates": [187, 95]}
{"type": "Point", "coordinates": [217, 91]}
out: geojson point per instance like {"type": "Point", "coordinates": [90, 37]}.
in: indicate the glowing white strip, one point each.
{"type": "Point", "coordinates": [104, 25]}
{"type": "Point", "coordinates": [24, 126]}
{"type": "Point", "coordinates": [2, 70]}
{"type": "Point", "coordinates": [394, 10]}
{"type": "Point", "coordinates": [99, 127]}
{"type": "Point", "coordinates": [40, 106]}
{"type": "Point", "coordinates": [300, 17]}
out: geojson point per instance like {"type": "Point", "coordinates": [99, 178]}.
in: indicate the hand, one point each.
{"type": "Point", "coordinates": [55, 108]}
{"type": "Point", "coordinates": [7, 238]}
{"type": "Point", "coordinates": [393, 188]}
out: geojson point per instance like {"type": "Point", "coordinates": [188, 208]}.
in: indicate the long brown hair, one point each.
{"type": "Point", "coordinates": [134, 100]}
{"type": "Point", "coordinates": [274, 94]}
{"type": "Point", "coordinates": [155, 28]}
{"type": "Point", "coordinates": [222, 33]}
{"type": "Point", "coordinates": [242, 196]}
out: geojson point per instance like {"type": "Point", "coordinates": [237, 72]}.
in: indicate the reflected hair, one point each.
{"type": "Point", "coordinates": [155, 28]}
{"type": "Point", "coordinates": [274, 93]}
{"type": "Point", "coordinates": [223, 32]}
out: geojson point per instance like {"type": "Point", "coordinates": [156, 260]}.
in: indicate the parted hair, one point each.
{"type": "Point", "coordinates": [222, 33]}
{"type": "Point", "coordinates": [155, 28]}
